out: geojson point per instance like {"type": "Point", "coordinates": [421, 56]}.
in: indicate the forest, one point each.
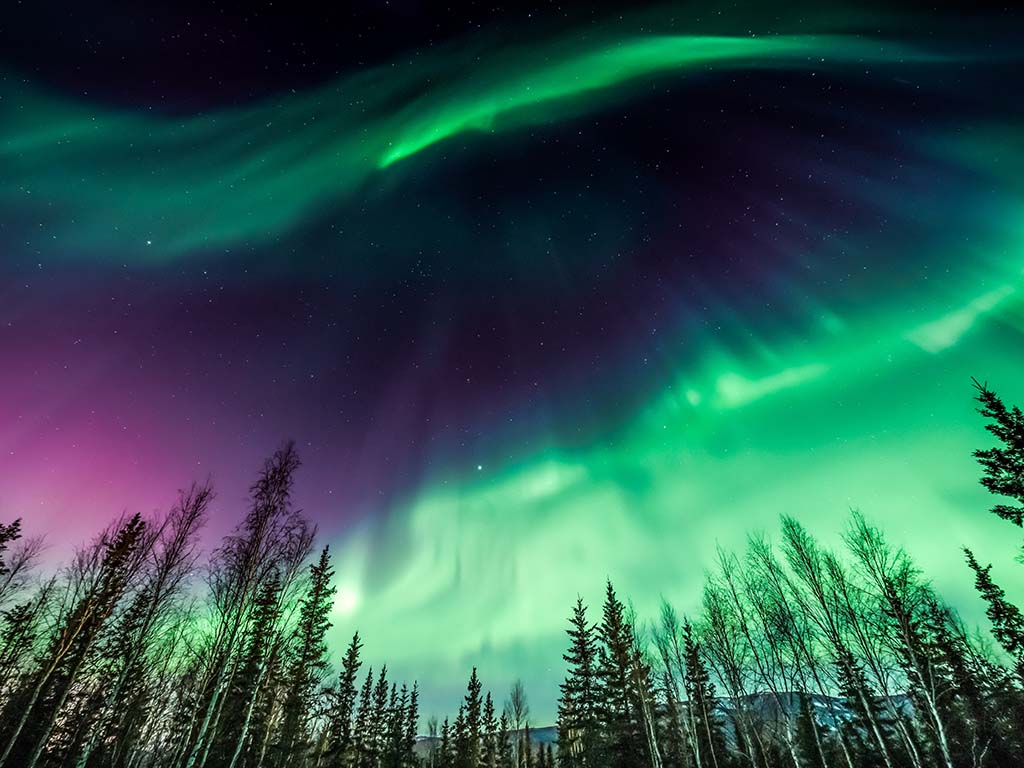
{"type": "Point", "coordinates": [143, 651]}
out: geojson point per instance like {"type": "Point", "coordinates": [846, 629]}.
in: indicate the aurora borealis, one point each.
{"type": "Point", "coordinates": [542, 301]}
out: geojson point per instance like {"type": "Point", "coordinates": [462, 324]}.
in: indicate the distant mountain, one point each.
{"type": "Point", "coordinates": [829, 711]}
{"type": "Point", "coordinates": [538, 736]}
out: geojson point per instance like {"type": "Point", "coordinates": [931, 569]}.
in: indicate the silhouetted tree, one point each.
{"type": "Point", "coordinates": [624, 689]}
{"type": "Point", "coordinates": [309, 661]}
{"type": "Point", "coordinates": [99, 578]}
{"type": "Point", "coordinates": [1003, 465]}
{"type": "Point", "coordinates": [1007, 619]}
{"type": "Point", "coordinates": [579, 727]}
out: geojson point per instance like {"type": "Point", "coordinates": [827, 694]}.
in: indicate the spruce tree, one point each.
{"type": "Point", "coordinates": [579, 730]}
{"type": "Point", "coordinates": [489, 747]}
{"type": "Point", "coordinates": [504, 747]}
{"type": "Point", "coordinates": [460, 739]}
{"type": "Point", "coordinates": [1003, 465]}
{"type": "Point", "coordinates": [9, 533]}
{"type": "Point", "coordinates": [309, 662]}
{"type": "Point", "coordinates": [394, 730]}
{"type": "Point", "coordinates": [412, 719]}
{"type": "Point", "coordinates": [446, 751]}
{"type": "Point", "coordinates": [362, 734]}
{"type": "Point", "coordinates": [343, 706]}
{"type": "Point", "coordinates": [473, 724]}
{"type": "Point", "coordinates": [619, 706]}
{"type": "Point", "coordinates": [376, 730]}
{"type": "Point", "coordinates": [1007, 619]}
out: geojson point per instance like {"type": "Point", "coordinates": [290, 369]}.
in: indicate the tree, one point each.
{"type": "Point", "coordinates": [412, 719]}
{"type": "Point", "coordinates": [363, 721]}
{"type": "Point", "coordinates": [506, 755]}
{"type": "Point", "coordinates": [707, 738]}
{"type": "Point", "coordinates": [1007, 619]}
{"type": "Point", "coordinates": [171, 562]}
{"type": "Point", "coordinates": [248, 680]}
{"type": "Point", "coordinates": [489, 747]}
{"type": "Point", "coordinates": [471, 737]}
{"type": "Point", "coordinates": [518, 709]}
{"type": "Point", "coordinates": [100, 577]}
{"type": "Point", "coordinates": [624, 689]}
{"type": "Point", "coordinates": [446, 751]}
{"type": "Point", "coordinates": [309, 663]}
{"type": "Point", "coordinates": [343, 705]}
{"type": "Point", "coordinates": [579, 730]}
{"type": "Point", "coordinates": [1003, 465]}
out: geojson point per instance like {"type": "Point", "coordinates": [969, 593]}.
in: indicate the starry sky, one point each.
{"type": "Point", "coordinates": [544, 293]}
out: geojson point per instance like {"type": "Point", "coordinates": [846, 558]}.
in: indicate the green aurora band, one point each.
{"type": "Point", "coordinates": [870, 411]}
{"type": "Point", "coordinates": [170, 186]}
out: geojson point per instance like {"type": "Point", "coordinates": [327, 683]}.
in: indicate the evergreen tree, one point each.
{"type": "Point", "coordinates": [542, 757]}
{"type": "Point", "coordinates": [362, 733]}
{"type": "Point", "coordinates": [1007, 619]}
{"type": "Point", "coordinates": [343, 704]}
{"type": "Point", "coordinates": [9, 533]}
{"type": "Point", "coordinates": [619, 697]}
{"type": "Point", "coordinates": [1004, 465]}
{"type": "Point", "coordinates": [490, 745]}
{"type": "Point", "coordinates": [460, 739]}
{"type": "Point", "coordinates": [470, 745]}
{"type": "Point", "coordinates": [446, 750]}
{"type": "Point", "coordinates": [412, 718]}
{"type": "Point", "coordinates": [19, 631]}
{"type": "Point", "coordinates": [394, 730]}
{"type": "Point", "coordinates": [374, 738]}
{"type": "Point", "coordinates": [504, 748]}
{"type": "Point", "coordinates": [309, 662]}
{"type": "Point", "coordinates": [579, 730]}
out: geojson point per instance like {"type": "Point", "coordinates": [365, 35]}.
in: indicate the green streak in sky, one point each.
{"type": "Point", "coordinates": [92, 181]}
{"type": "Point", "coordinates": [870, 411]}
{"type": "Point", "coordinates": [548, 88]}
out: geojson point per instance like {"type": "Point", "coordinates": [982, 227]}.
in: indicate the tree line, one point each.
{"type": "Point", "coordinates": [141, 653]}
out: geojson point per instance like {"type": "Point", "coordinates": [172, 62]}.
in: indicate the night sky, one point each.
{"type": "Point", "coordinates": [544, 294]}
